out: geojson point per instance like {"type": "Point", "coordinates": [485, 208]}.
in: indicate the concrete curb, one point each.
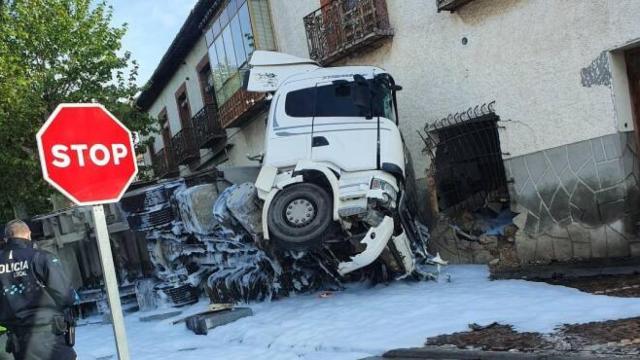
{"type": "Point", "coordinates": [441, 354]}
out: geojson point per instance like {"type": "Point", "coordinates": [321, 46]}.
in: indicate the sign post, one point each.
{"type": "Point", "coordinates": [109, 271]}
{"type": "Point", "coordinates": [88, 155]}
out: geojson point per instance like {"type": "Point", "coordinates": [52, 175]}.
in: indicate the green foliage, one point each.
{"type": "Point", "coordinates": [54, 51]}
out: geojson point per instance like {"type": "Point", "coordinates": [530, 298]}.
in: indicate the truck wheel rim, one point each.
{"type": "Point", "coordinates": [300, 212]}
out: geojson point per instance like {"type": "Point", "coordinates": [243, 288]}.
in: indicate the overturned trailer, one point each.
{"type": "Point", "coordinates": [69, 233]}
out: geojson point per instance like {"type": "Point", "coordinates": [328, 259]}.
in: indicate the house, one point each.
{"type": "Point", "coordinates": [527, 105]}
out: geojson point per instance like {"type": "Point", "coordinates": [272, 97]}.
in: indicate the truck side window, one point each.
{"type": "Point", "coordinates": [334, 101]}
{"type": "Point", "coordinates": [300, 103]}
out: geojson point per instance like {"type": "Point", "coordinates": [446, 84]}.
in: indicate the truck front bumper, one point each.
{"type": "Point", "coordinates": [375, 241]}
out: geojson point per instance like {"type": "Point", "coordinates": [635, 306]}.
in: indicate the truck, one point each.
{"type": "Point", "coordinates": [335, 171]}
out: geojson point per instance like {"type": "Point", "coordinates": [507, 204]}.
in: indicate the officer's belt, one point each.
{"type": "Point", "coordinates": [22, 330]}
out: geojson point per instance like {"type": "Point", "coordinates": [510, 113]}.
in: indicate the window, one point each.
{"type": "Point", "coordinates": [231, 42]}
{"type": "Point", "coordinates": [336, 100]}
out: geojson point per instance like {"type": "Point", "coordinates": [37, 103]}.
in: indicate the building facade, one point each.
{"type": "Point", "coordinates": [529, 103]}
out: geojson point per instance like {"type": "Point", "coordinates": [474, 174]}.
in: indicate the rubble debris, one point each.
{"type": "Point", "coordinates": [161, 316]}
{"type": "Point", "coordinates": [194, 205]}
{"type": "Point", "coordinates": [496, 337]}
{"type": "Point", "coordinates": [202, 322]}
{"type": "Point", "coordinates": [619, 285]}
{"type": "Point", "coordinates": [605, 338]}
{"type": "Point", "coordinates": [243, 203]}
{"type": "Point", "coordinates": [212, 241]}
{"type": "Point", "coordinates": [145, 294]}
{"type": "Point", "coordinates": [612, 334]}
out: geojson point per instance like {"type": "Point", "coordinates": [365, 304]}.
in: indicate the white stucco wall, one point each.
{"type": "Point", "coordinates": [527, 55]}
{"type": "Point", "coordinates": [288, 26]}
{"type": "Point", "coordinates": [186, 73]}
{"type": "Point", "coordinates": [247, 140]}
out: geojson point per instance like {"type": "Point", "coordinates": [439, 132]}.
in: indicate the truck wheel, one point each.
{"type": "Point", "coordinates": [300, 216]}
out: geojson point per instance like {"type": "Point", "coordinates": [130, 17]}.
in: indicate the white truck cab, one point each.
{"type": "Point", "coordinates": [334, 167]}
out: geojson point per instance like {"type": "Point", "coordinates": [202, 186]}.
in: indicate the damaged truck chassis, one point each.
{"type": "Point", "coordinates": [335, 171]}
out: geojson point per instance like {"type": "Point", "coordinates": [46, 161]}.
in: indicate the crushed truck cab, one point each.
{"type": "Point", "coordinates": [334, 168]}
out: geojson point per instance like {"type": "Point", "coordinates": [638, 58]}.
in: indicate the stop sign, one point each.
{"type": "Point", "coordinates": [87, 154]}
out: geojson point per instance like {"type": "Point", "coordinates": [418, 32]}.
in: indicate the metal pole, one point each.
{"type": "Point", "coordinates": [109, 273]}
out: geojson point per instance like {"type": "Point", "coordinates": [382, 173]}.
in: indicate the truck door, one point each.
{"type": "Point", "coordinates": [341, 136]}
{"type": "Point", "coordinates": [290, 125]}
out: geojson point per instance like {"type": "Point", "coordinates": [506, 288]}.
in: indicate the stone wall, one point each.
{"type": "Point", "coordinates": [577, 201]}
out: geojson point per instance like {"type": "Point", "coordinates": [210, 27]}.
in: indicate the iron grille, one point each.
{"type": "Point", "coordinates": [206, 127]}
{"type": "Point", "coordinates": [184, 146]}
{"type": "Point", "coordinates": [467, 159]}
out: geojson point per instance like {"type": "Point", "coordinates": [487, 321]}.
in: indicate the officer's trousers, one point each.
{"type": "Point", "coordinates": [42, 345]}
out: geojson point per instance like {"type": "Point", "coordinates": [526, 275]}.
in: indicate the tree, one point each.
{"type": "Point", "coordinates": [54, 51]}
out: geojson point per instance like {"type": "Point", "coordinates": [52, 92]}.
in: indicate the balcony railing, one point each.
{"type": "Point", "coordinates": [450, 5]}
{"type": "Point", "coordinates": [206, 127]}
{"type": "Point", "coordinates": [163, 163]}
{"type": "Point", "coordinates": [343, 27]}
{"type": "Point", "coordinates": [185, 146]}
{"type": "Point", "coordinates": [240, 106]}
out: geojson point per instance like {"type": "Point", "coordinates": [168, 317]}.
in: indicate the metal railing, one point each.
{"type": "Point", "coordinates": [450, 5]}
{"type": "Point", "coordinates": [240, 106]}
{"type": "Point", "coordinates": [163, 163]}
{"type": "Point", "coordinates": [184, 146]}
{"type": "Point", "coordinates": [206, 127]}
{"type": "Point", "coordinates": [342, 27]}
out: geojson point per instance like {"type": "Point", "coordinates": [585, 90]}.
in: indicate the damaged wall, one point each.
{"type": "Point", "coordinates": [546, 66]}
{"type": "Point", "coordinates": [577, 201]}
{"type": "Point", "coordinates": [541, 61]}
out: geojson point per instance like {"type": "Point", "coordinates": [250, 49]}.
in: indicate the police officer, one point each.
{"type": "Point", "coordinates": [35, 299]}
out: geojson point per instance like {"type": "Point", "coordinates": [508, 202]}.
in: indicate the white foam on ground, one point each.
{"type": "Point", "coordinates": [363, 321]}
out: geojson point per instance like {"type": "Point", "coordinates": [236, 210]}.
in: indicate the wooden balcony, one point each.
{"type": "Point", "coordinates": [206, 127]}
{"type": "Point", "coordinates": [163, 163]}
{"type": "Point", "coordinates": [185, 146]}
{"type": "Point", "coordinates": [240, 107]}
{"type": "Point", "coordinates": [450, 5]}
{"type": "Point", "coordinates": [343, 27]}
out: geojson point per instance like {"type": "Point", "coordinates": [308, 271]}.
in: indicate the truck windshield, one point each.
{"type": "Point", "coordinates": [335, 100]}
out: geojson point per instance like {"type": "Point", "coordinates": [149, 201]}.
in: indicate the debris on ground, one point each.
{"type": "Point", "coordinates": [161, 316]}
{"type": "Point", "coordinates": [207, 236]}
{"type": "Point", "coordinates": [496, 337]}
{"type": "Point", "coordinates": [613, 337]}
{"type": "Point", "coordinates": [621, 285]}
{"type": "Point", "coordinates": [201, 323]}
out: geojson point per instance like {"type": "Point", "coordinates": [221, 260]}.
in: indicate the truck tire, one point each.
{"type": "Point", "coordinates": [300, 216]}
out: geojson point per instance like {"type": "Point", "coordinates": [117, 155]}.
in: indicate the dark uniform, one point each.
{"type": "Point", "coordinates": [34, 294]}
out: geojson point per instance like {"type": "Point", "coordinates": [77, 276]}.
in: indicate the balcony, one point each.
{"type": "Point", "coordinates": [450, 5]}
{"type": "Point", "coordinates": [344, 27]}
{"type": "Point", "coordinates": [163, 163]}
{"type": "Point", "coordinates": [206, 127]}
{"type": "Point", "coordinates": [184, 146]}
{"type": "Point", "coordinates": [241, 106]}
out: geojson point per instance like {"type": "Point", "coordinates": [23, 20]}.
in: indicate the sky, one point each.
{"type": "Point", "coordinates": [153, 24]}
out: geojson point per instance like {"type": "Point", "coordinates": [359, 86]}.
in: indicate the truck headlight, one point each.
{"type": "Point", "coordinates": [387, 189]}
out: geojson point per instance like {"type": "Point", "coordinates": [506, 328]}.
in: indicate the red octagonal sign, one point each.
{"type": "Point", "coordinates": [87, 154]}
